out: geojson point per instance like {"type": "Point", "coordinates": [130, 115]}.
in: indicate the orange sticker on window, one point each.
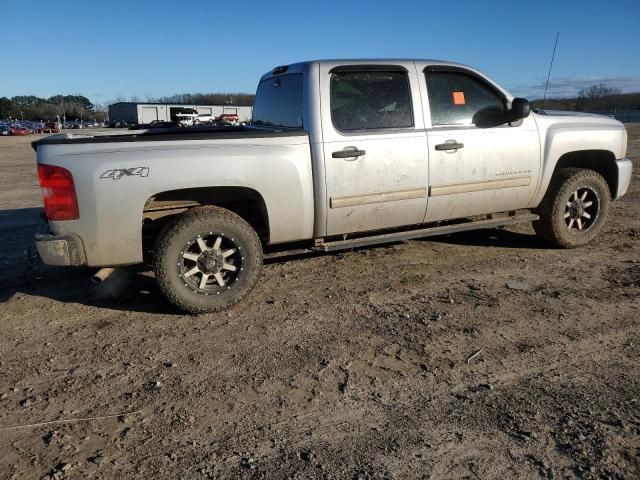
{"type": "Point", "coordinates": [458, 98]}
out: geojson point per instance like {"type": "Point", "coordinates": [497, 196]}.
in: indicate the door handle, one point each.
{"type": "Point", "coordinates": [449, 145]}
{"type": "Point", "coordinates": [348, 152]}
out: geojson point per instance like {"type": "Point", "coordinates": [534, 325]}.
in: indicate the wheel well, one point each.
{"type": "Point", "coordinates": [601, 161]}
{"type": "Point", "coordinates": [162, 207]}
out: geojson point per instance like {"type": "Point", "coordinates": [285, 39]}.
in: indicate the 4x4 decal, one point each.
{"type": "Point", "coordinates": [118, 173]}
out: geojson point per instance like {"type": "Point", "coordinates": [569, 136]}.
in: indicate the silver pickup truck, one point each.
{"type": "Point", "coordinates": [339, 154]}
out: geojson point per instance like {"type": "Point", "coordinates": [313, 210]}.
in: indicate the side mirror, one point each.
{"type": "Point", "coordinates": [520, 108]}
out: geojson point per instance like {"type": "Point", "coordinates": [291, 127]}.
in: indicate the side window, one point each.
{"type": "Point", "coordinates": [370, 100]}
{"type": "Point", "coordinates": [456, 98]}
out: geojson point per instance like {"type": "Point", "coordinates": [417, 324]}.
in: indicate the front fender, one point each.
{"type": "Point", "coordinates": [560, 140]}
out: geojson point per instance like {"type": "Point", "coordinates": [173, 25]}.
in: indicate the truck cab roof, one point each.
{"type": "Point", "coordinates": [299, 67]}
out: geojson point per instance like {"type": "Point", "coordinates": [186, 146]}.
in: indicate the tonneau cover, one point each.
{"type": "Point", "coordinates": [172, 134]}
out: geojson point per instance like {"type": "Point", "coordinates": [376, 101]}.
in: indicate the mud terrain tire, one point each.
{"type": "Point", "coordinates": [207, 259]}
{"type": "Point", "coordinates": [574, 209]}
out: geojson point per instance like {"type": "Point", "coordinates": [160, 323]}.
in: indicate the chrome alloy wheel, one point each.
{"type": "Point", "coordinates": [210, 264]}
{"type": "Point", "coordinates": [582, 209]}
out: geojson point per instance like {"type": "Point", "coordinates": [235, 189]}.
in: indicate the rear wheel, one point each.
{"type": "Point", "coordinates": [208, 259]}
{"type": "Point", "coordinates": [574, 209]}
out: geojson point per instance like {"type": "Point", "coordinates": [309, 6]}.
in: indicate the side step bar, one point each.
{"type": "Point", "coordinates": [424, 232]}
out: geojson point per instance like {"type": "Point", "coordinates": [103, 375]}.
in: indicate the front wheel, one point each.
{"type": "Point", "coordinates": [575, 208]}
{"type": "Point", "coordinates": [208, 259]}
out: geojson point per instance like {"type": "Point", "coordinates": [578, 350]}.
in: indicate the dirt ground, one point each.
{"type": "Point", "coordinates": [351, 365]}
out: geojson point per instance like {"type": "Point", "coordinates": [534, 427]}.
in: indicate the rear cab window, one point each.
{"type": "Point", "coordinates": [461, 98]}
{"type": "Point", "coordinates": [279, 102]}
{"type": "Point", "coordinates": [370, 100]}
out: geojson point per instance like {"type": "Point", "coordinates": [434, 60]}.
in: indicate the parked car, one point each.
{"type": "Point", "coordinates": [4, 130]}
{"type": "Point", "coordinates": [34, 127]}
{"type": "Point", "coordinates": [154, 124]}
{"type": "Point", "coordinates": [204, 118]}
{"type": "Point", "coordinates": [162, 124]}
{"type": "Point", "coordinates": [340, 154]}
{"type": "Point", "coordinates": [186, 119]}
{"type": "Point", "coordinates": [228, 119]}
{"type": "Point", "coordinates": [19, 130]}
{"type": "Point", "coordinates": [25, 126]}
{"type": "Point", "coordinates": [52, 127]}
{"type": "Point", "coordinates": [121, 124]}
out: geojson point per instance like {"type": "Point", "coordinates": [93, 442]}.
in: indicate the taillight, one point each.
{"type": "Point", "coordinates": [58, 192]}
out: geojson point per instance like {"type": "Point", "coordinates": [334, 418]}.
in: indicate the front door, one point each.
{"type": "Point", "coordinates": [477, 164]}
{"type": "Point", "coordinates": [375, 147]}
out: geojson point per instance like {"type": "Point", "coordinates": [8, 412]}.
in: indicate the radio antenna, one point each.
{"type": "Point", "coordinates": [553, 55]}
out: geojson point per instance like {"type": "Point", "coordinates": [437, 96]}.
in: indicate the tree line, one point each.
{"type": "Point", "coordinates": [30, 107]}
{"type": "Point", "coordinates": [240, 99]}
{"type": "Point", "coordinates": [596, 98]}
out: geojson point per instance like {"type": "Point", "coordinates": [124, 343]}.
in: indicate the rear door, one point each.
{"type": "Point", "coordinates": [478, 163]}
{"type": "Point", "coordinates": [375, 150]}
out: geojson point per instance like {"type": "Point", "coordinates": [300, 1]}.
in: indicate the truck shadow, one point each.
{"type": "Point", "coordinates": [496, 237]}
{"type": "Point", "coordinates": [490, 237]}
{"type": "Point", "coordinates": [22, 273]}
{"type": "Point", "coordinates": [134, 288]}
{"type": "Point", "coordinates": [128, 289]}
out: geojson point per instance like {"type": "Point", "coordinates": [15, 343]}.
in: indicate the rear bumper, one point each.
{"type": "Point", "coordinates": [59, 250]}
{"type": "Point", "coordinates": [624, 177]}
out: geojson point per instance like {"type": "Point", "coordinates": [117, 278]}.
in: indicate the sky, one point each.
{"type": "Point", "coordinates": [110, 49]}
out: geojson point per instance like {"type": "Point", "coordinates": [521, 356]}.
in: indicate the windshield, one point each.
{"type": "Point", "coordinates": [278, 102]}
